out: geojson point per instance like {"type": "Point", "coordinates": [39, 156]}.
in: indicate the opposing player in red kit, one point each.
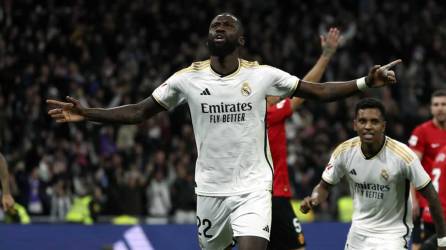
{"type": "Point", "coordinates": [426, 141]}
{"type": "Point", "coordinates": [286, 231]}
{"type": "Point", "coordinates": [438, 177]}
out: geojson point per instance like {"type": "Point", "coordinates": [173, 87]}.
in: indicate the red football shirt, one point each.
{"type": "Point", "coordinates": [276, 116]}
{"type": "Point", "coordinates": [438, 176]}
{"type": "Point", "coordinates": [428, 139]}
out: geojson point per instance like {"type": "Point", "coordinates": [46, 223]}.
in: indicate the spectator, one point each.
{"type": "Point", "coordinates": [183, 198]}
{"type": "Point", "coordinates": [60, 201]}
{"type": "Point", "coordinates": [158, 196]}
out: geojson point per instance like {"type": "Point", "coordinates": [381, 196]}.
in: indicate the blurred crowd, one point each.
{"type": "Point", "coordinates": [109, 53]}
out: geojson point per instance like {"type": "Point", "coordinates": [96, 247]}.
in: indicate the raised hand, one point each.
{"type": "Point", "coordinates": [330, 41]}
{"type": "Point", "coordinates": [71, 111]}
{"type": "Point", "coordinates": [382, 75]}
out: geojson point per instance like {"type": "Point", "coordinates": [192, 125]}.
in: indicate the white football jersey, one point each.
{"type": "Point", "coordinates": [379, 185]}
{"type": "Point", "coordinates": [228, 115]}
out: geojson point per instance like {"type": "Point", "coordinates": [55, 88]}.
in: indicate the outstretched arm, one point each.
{"type": "Point", "coordinates": [319, 194]}
{"type": "Point", "coordinates": [329, 44]}
{"type": "Point", "coordinates": [7, 200]}
{"type": "Point", "coordinates": [435, 209]}
{"type": "Point", "coordinates": [73, 111]}
{"type": "Point", "coordinates": [330, 91]}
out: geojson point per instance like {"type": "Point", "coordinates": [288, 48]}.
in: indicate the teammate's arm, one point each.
{"type": "Point", "coordinates": [73, 111]}
{"type": "Point", "coordinates": [330, 91]}
{"type": "Point", "coordinates": [319, 194]}
{"type": "Point", "coordinates": [7, 200]}
{"type": "Point", "coordinates": [435, 209]}
{"type": "Point", "coordinates": [329, 44]}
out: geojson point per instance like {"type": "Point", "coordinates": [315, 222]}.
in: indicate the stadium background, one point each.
{"type": "Point", "coordinates": [110, 53]}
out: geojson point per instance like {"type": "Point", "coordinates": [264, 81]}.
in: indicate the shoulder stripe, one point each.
{"type": "Point", "coordinates": [248, 64]}
{"type": "Point", "coordinates": [401, 151]}
{"type": "Point", "coordinates": [401, 146]}
{"type": "Point", "coordinates": [407, 159]}
{"type": "Point", "coordinates": [352, 143]}
{"type": "Point", "coordinates": [195, 66]}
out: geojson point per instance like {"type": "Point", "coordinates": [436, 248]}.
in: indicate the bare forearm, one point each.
{"type": "Point", "coordinates": [4, 175]}
{"type": "Point", "coordinates": [435, 209]}
{"type": "Point", "coordinates": [437, 215]}
{"type": "Point", "coordinates": [126, 114]}
{"type": "Point", "coordinates": [321, 191]}
{"type": "Point", "coordinates": [329, 91]}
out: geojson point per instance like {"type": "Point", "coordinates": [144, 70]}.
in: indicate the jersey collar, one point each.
{"type": "Point", "coordinates": [227, 76]}
{"type": "Point", "coordinates": [379, 151]}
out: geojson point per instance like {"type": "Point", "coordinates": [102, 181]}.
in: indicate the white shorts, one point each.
{"type": "Point", "coordinates": [219, 219]}
{"type": "Point", "coordinates": [358, 241]}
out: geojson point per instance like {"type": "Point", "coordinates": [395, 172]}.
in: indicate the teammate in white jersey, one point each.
{"type": "Point", "coordinates": [379, 171]}
{"type": "Point", "coordinates": [226, 96]}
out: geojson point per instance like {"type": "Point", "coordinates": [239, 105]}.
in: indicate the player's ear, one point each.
{"type": "Point", "coordinates": [354, 125]}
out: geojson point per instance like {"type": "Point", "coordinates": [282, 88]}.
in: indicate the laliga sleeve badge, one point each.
{"type": "Point", "coordinates": [246, 90]}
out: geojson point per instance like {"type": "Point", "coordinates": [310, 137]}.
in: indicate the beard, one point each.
{"type": "Point", "coordinates": [221, 49]}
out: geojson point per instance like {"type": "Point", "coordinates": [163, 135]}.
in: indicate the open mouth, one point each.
{"type": "Point", "coordinates": [219, 38]}
{"type": "Point", "coordinates": [368, 136]}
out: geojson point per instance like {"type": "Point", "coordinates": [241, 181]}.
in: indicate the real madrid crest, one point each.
{"type": "Point", "coordinates": [385, 174]}
{"type": "Point", "coordinates": [246, 90]}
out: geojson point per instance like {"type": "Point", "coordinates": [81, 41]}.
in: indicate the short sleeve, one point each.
{"type": "Point", "coordinates": [417, 140]}
{"type": "Point", "coordinates": [170, 94]}
{"type": "Point", "coordinates": [282, 83]}
{"type": "Point", "coordinates": [334, 171]}
{"type": "Point", "coordinates": [416, 174]}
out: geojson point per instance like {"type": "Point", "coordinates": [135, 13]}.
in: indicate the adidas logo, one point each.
{"type": "Point", "coordinates": [205, 92]}
{"type": "Point", "coordinates": [134, 239]}
{"type": "Point", "coordinates": [353, 172]}
{"type": "Point", "coordinates": [266, 229]}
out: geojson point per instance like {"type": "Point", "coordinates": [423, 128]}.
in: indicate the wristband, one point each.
{"type": "Point", "coordinates": [441, 242]}
{"type": "Point", "coordinates": [361, 84]}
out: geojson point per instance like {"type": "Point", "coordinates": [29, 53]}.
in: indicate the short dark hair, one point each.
{"type": "Point", "coordinates": [439, 92]}
{"type": "Point", "coordinates": [370, 103]}
{"type": "Point", "coordinates": [237, 20]}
